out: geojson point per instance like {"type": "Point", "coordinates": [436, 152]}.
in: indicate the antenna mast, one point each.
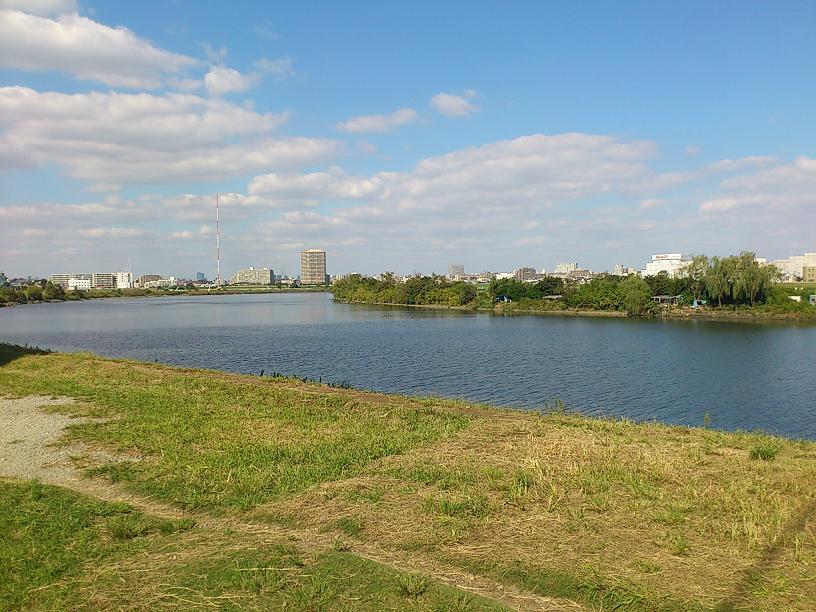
{"type": "Point", "coordinates": [217, 244]}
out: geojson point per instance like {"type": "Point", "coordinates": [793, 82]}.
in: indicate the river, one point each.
{"type": "Point", "coordinates": [743, 375]}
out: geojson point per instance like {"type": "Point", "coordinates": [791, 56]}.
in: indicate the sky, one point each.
{"type": "Point", "coordinates": [402, 136]}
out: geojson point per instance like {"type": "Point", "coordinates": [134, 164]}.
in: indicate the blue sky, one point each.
{"type": "Point", "coordinates": [403, 136]}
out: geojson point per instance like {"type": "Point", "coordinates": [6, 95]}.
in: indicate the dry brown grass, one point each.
{"type": "Point", "coordinates": [665, 516]}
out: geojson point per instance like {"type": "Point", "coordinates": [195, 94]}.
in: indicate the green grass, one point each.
{"type": "Point", "coordinates": [609, 513]}
{"type": "Point", "coordinates": [48, 535]}
{"type": "Point", "coordinates": [60, 550]}
{"type": "Point", "coordinates": [214, 444]}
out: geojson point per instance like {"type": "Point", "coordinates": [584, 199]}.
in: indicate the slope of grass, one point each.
{"type": "Point", "coordinates": [214, 441]}
{"type": "Point", "coordinates": [609, 513]}
{"type": "Point", "coordinates": [60, 550]}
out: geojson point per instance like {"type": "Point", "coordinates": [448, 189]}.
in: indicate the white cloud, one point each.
{"type": "Point", "coordinates": [86, 49]}
{"type": "Point", "coordinates": [112, 232]}
{"type": "Point", "coordinates": [182, 235]}
{"type": "Point", "coordinates": [378, 123]}
{"type": "Point", "coordinates": [40, 7]}
{"type": "Point", "coordinates": [454, 106]}
{"type": "Point", "coordinates": [785, 188]}
{"type": "Point", "coordinates": [221, 80]}
{"type": "Point", "coordinates": [281, 67]}
{"type": "Point", "coordinates": [649, 203]}
{"type": "Point", "coordinates": [115, 138]}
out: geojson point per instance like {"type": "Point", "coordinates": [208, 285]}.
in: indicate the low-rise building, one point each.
{"type": "Point", "coordinates": [809, 274]}
{"type": "Point", "coordinates": [79, 284]}
{"type": "Point", "coordinates": [672, 264]}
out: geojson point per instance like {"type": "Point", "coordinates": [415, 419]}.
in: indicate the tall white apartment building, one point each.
{"type": "Point", "coordinates": [313, 267]}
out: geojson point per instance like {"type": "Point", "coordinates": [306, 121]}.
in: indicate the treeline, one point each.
{"type": "Point", "coordinates": [737, 282]}
{"type": "Point", "coordinates": [420, 290]}
{"type": "Point", "coordinates": [34, 292]}
{"type": "Point", "coordinates": [50, 292]}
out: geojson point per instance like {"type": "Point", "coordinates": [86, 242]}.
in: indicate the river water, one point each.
{"type": "Point", "coordinates": [744, 376]}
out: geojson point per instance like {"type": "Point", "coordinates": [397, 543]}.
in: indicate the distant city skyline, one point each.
{"type": "Point", "coordinates": [597, 133]}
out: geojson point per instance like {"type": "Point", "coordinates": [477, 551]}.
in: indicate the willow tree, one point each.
{"type": "Point", "coordinates": [636, 294]}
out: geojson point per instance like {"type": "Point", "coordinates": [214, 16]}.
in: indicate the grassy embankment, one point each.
{"type": "Point", "coordinates": [606, 513]}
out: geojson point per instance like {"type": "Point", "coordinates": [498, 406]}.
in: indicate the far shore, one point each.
{"type": "Point", "coordinates": [685, 314]}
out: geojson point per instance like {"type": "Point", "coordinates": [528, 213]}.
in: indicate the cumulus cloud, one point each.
{"type": "Point", "coordinates": [454, 106]}
{"type": "Point", "coordinates": [115, 138]}
{"type": "Point", "coordinates": [183, 234]}
{"type": "Point", "coordinates": [40, 7]}
{"type": "Point", "coordinates": [85, 49]}
{"type": "Point", "coordinates": [783, 188]}
{"type": "Point", "coordinates": [378, 123]}
{"type": "Point", "coordinates": [221, 80]}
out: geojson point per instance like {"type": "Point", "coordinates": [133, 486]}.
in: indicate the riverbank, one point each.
{"type": "Point", "coordinates": [154, 293]}
{"type": "Point", "coordinates": [304, 495]}
{"type": "Point", "coordinates": [710, 314]}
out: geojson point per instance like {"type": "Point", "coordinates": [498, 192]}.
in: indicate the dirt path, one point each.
{"type": "Point", "coordinates": [30, 447]}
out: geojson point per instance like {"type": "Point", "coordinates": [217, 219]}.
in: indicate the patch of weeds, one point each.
{"type": "Point", "coordinates": [365, 494]}
{"type": "Point", "coordinates": [470, 506]}
{"type": "Point", "coordinates": [446, 479]}
{"type": "Point", "coordinates": [350, 525]}
{"type": "Point", "coordinates": [339, 545]}
{"type": "Point", "coordinates": [646, 567]}
{"type": "Point", "coordinates": [412, 585]}
{"type": "Point", "coordinates": [129, 526]}
{"type": "Point", "coordinates": [678, 544]}
{"type": "Point", "coordinates": [766, 451]}
{"type": "Point", "coordinates": [671, 515]}
{"type": "Point", "coordinates": [317, 593]}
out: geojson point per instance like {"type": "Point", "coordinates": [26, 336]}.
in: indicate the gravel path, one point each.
{"type": "Point", "coordinates": [27, 439]}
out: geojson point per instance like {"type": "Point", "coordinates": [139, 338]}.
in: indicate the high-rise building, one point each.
{"type": "Point", "coordinates": [254, 276]}
{"type": "Point", "coordinates": [200, 276]}
{"type": "Point", "coordinates": [3, 280]}
{"type": "Point", "coordinates": [455, 270]}
{"type": "Point", "coordinates": [809, 274]}
{"type": "Point", "coordinates": [313, 267]}
{"type": "Point", "coordinates": [103, 280]}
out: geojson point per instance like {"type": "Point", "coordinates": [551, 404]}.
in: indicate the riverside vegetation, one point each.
{"type": "Point", "coordinates": [312, 497]}
{"type": "Point", "coordinates": [735, 286]}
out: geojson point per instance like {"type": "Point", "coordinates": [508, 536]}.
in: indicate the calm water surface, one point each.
{"type": "Point", "coordinates": [745, 376]}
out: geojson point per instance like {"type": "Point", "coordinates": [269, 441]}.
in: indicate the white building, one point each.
{"type": "Point", "coordinates": [793, 267]}
{"type": "Point", "coordinates": [254, 276]}
{"type": "Point", "coordinates": [79, 284]}
{"type": "Point", "coordinates": [162, 283]}
{"type": "Point", "coordinates": [565, 268]}
{"type": "Point", "coordinates": [672, 264]}
{"type": "Point", "coordinates": [123, 280]}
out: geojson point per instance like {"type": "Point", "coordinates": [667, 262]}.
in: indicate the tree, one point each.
{"type": "Point", "coordinates": [716, 281]}
{"type": "Point", "coordinates": [33, 293]}
{"type": "Point", "coordinates": [53, 292]}
{"type": "Point", "coordinates": [637, 297]}
{"type": "Point", "coordinates": [696, 274]}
